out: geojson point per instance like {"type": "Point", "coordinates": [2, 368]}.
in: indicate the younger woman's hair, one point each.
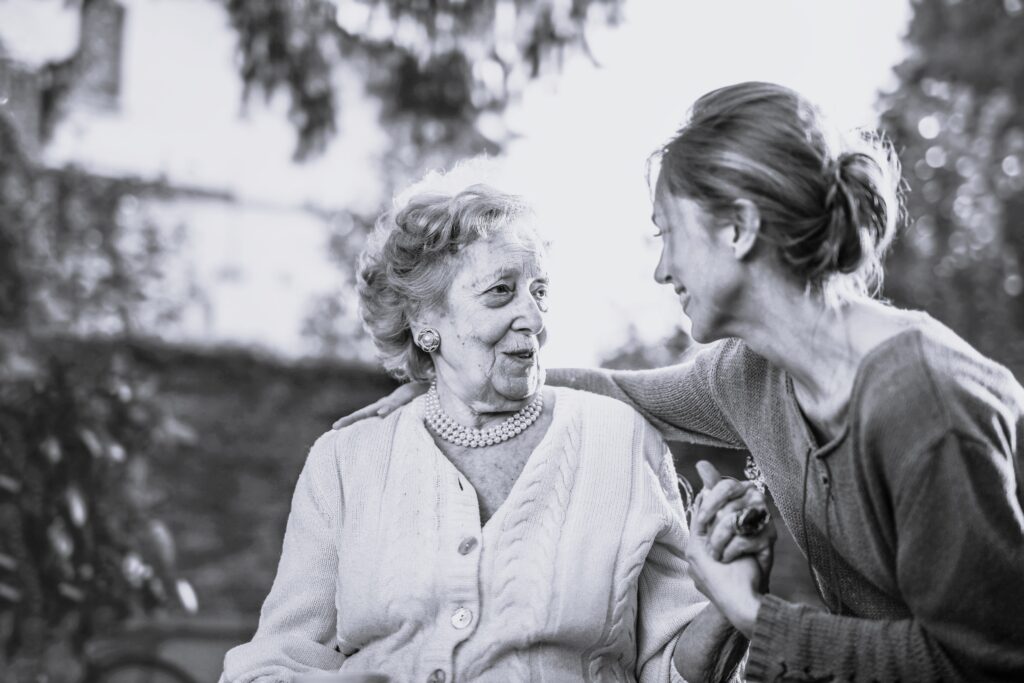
{"type": "Point", "coordinates": [413, 257]}
{"type": "Point", "coordinates": [831, 207]}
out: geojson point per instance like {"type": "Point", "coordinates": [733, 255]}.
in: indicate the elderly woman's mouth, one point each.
{"type": "Point", "coordinates": [525, 354]}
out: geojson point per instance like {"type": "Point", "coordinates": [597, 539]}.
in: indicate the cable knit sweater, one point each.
{"type": "Point", "coordinates": [579, 575]}
{"type": "Point", "coordinates": [912, 517]}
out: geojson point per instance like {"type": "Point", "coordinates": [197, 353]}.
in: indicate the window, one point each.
{"type": "Point", "coordinates": [97, 64]}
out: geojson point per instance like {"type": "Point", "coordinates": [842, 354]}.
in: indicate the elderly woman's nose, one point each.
{"type": "Point", "coordinates": [529, 315]}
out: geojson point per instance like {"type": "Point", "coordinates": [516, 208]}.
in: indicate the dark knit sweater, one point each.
{"type": "Point", "coordinates": [911, 518]}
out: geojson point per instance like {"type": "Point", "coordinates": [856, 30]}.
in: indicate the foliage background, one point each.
{"type": "Point", "coordinates": [958, 122]}
{"type": "Point", "coordinates": [133, 478]}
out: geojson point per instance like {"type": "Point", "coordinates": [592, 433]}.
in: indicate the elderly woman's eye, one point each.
{"type": "Point", "coordinates": [540, 295]}
{"type": "Point", "coordinates": [501, 289]}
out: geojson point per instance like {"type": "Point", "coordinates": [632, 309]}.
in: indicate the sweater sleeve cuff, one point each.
{"type": "Point", "coordinates": [768, 644]}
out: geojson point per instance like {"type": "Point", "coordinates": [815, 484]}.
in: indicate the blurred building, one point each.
{"type": "Point", "coordinates": [149, 90]}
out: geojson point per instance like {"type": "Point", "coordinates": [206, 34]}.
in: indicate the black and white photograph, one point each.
{"type": "Point", "coordinates": [511, 341]}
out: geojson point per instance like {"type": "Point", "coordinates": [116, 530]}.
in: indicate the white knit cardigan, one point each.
{"type": "Point", "coordinates": [578, 576]}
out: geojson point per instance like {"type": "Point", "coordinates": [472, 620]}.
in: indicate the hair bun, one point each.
{"type": "Point", "coordinates": [859, 206]}
{"type": "Point", "coordinates": [845, 247]}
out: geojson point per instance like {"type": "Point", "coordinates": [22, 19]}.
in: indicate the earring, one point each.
{"type": "Point", "coordinates": [428, 339]}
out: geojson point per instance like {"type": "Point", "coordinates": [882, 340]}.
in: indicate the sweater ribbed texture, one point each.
{"type": "Point", "coordinates": [578, 576]}
{"type": "Point", "coordinates": [911, 518]}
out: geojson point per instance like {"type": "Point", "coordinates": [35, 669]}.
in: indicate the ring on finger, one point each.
{"type": "Point", "coordinates": [695, 503]}
{"type": "Point", "coordinates": [750, 521]}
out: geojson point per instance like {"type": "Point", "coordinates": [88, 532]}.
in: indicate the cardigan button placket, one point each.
{"type": "Point", "coordinates": [467, 545]}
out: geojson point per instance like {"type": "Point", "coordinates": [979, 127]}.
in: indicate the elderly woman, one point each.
{"type": "Point", "coordinates": [493, 529]}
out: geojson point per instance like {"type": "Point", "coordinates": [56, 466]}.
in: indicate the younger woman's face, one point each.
{"type": "Point", "coordinates": [698, 262]}
{"type": "Point", "coordinates": [492, 324]}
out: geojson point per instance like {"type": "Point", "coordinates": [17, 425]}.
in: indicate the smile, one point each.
{"type": "Point", "coordinates": [684, 296]}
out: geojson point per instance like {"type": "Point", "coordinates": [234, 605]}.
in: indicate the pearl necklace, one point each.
{"type": "Point", "coordinates": [451, 431]}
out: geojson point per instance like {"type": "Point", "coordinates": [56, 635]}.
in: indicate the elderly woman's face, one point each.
{"type": "Point", "coordinates": [492, 326]}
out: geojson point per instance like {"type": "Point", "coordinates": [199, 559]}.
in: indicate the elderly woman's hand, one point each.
{"type": "Point", "coordinates": [733, 587]}
{"type": "Point", "coordinates": [719, 513]}
{"type": "Point", "coordinates": [396, 399]}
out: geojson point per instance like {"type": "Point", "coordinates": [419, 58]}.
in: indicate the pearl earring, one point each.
{"type": "Point", "coordinates": [428, 339]}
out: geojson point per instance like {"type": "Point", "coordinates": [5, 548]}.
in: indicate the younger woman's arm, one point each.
{"type": "Point", "coordinates": [679, 400]}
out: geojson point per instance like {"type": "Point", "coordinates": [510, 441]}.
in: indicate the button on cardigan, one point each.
{"type": "Point", "coordinates": [578, 576]}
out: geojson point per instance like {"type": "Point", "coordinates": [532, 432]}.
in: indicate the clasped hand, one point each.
{"type": "Point", "coordinates": [729, 568]}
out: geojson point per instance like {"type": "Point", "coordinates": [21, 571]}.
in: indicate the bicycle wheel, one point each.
{"type": "Point", "coordinates": [139, 668]}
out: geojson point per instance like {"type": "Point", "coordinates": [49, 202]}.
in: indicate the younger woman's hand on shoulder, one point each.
{"type": "Point", "coordinates": [390, 403]}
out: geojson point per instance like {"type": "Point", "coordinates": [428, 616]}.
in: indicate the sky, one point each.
{"type": "Point", "coordinates": [583, 135]}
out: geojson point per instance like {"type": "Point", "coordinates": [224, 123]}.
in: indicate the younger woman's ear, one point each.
{"type": "Point", "coordinates": [746, 222]}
